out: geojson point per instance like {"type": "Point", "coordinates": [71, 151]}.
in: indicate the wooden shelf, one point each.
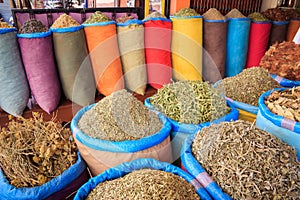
{"type": "Point", "coordinates": [66, 110]}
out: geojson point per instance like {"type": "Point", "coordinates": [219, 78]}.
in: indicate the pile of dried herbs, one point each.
{"type": "Point", "coordinates": [191, 102]}
{"type": "Point", "coordinates": [276, 14]}
{"type": "Point", "coordinates": [119, 116]}
{"type": "Point", "coordinates": [65, 21]}
{"type": "Point", "coordinates": [248, 86]}
{"type": "Point", "coordinates": [283, 59]}
{"type": "Point", "coordinates": [258, 17]}
{"type": "Point", "coordinates": [213, 14]}
{"type": "Point", "coordinates": [97, 17]}
{"type": "Point", "coordinates": [5, 25]}
{"type": "Point", "coordinates": [285, 103]}
{"type": "Point", "coordinates": [248, 163]}
{"type": "Point", "coordinates": [186, 12]}
{"type": "Point", "coordinates": [235, 13]}
{"type": "Point", "coordinates": [145, 184]}
{"type": "Point", "coordinates": [33, 151]}
{"type": "Point", "coordinates": [155, 15]}
{"type": "Point", "coordinates": [33, 26]}
{"type": "Point", "coordinates": [124, 19]}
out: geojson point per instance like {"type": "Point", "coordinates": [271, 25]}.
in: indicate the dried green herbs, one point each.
{"type": "Point", "coordinates": [191, 102]}
{"type": "Point", "coordinates": [235, 13]}
{"type": "Point", "coordinates": [155, 15]}
{"type": "Point", "coordinates": [97, 17]}
{"type": "Point", "coordinates": [147, 184]}
{"type": "Point", "coordinates": [213, 14]}
{"type": "Point", "coordinates": [186, 12]}
{"type": "Point", "coordinates": [65, 21]}
{"type": "Point", "coordinates": [248, 86]}
{"type": "Point", "coordinates": [285, 103]}
{"type": "Point", "coordinates": [33, 26]}
{"type": "Point", "coordinates": [33, 151]}
{"type": "Point", "coordinates": [258, 17]}
{"type": "Point", "coordinates": [119, 116]}
{"type": "Point", "coordinates": [248, 163]}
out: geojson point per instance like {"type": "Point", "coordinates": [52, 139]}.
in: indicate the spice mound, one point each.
{"type": "Point", "coordinates": [33, 26]}
{"type": "Point", "coordinates": [257, 17]}
{"type": "Point", "coordinates": [65, 21]}
{"type": "Point", "coordinates": [124, 19]}
{"type": "Point", "coordinates": [147, 184]}
{"type": "Point", "coordinates": [276, 14]}
{"type": "Point", "coordinates": [283, 59]}
{"type": "Point", "coordinates": [248, 163]}
{"type": "Point", "coordinates": [285, 103]}
{"type": "Point", "coordinates": [97, 17]}
{"type": "Point", "coordinates": [5, 25]}
{"type": "Point", "coordinates": [186, 12]}
{"type": "Point", "coordinates": [119, 116]}
{"type": "Point", "coordinates": [155, 15]}
{"type": "Point", "coordinates": [235, 13]}
{"type": "Point", "coordinates": [248, 86]}
{"type": "Point", "coordinates": [191, 102]}
{"type": "Point", "coordinates": [33, 151]}
{"type": "Point", "coordinates": [213, 14]}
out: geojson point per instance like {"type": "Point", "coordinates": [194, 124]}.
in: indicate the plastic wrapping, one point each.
{"type": "Point", "coordinates": [258, 42]}
{"type": "Point", "coordinates": [158, 34]}
{"type": "Point", "coordinates": [285, 129]}
{"type": "Point", "coordinates": [103, 154]}
{"type": "Point", "coordinates": [180, 131]}
{"type": "Point", "coordinates": [125, 168]}
{"type": "Point", "coordinates": [193, 167]}
{"type": "Point", "coordinates": [55, 185]}
{"type": "Point", "coordinates": [293, 27]}
{"type": "Point", "coordinates": [214, 44]}
{"type": "Point", "coordinates": [193, 128]}
{"type": "Point", "coordinates": [14, 88]}
{"type": "Point", "coordinates": [40, 67]}
{"type": "Point", "coordinates": [237, 45]}
{"type": "Point", "coordinates": [102, 43]}
{"type": "Point", "coordinates": [187, 47]}
{"type": "Point", "coordinates": [278, 32]}
{"type": "Point", "coordinates": [74, 65]}
{"type": "Point", "coordinates": [285, 82]}
{"type": "Point", "coordinates": [131, 46]}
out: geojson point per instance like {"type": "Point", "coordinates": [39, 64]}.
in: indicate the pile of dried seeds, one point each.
{"type": "Point", "coordinates": [191, 102]}
{"type": "Point", "coordinates": [145, 184]}
{"type": "Point", "coordinates": [119, 116]}
{"type": "Point", "coordinates": [33, 151]}
{"type": "Point", "coordinates": [285, 103]}
{"type": "Point", "coordinates": [97, 17]}
{"type": "Point", "coordinates": [65, 21]}
{"type": "Point", "coordinates": [235, 13]}
{"type": "Point", "coordinates": [248, 86]}
{"type": "Point", "coordinates": [186, 12]}
{"type": "Point", "coordinates": [33, 26]}
{"type": "Point", "coordinates": [248, 163]}
{"type": "Point", "coordinates": [213, 14]}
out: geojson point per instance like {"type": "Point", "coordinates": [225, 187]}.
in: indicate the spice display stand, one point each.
{"type": "Point", "coordinates": [66, 109]}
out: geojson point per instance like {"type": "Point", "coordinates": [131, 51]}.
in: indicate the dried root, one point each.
{"type": "Point", "coordinates": [33, 151]}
